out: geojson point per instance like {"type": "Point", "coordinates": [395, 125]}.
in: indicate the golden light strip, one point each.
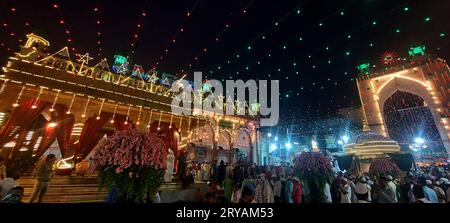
{"type": "Point", "coordinates": [159, 122]}
{"type": "Point", "coordinates": [52, 109]}
{"type": "Point", "coordinates": [128, 114]}
{"type": "Point", "coordinates": [16, 104]}
{"type": "Point", "coordinates": [171, 119]}
{"type": "Point", "coordinates": [150, 119]}
{"type": "Point", "coordinates": [139, 115]}
{"type": "Point", "coordinates": [100, 110]}
{"type": "Point", "coordinates": [71, 103]}
{"type": "Point", "coordinates": [85, 107]}
{"type": "Point", "coordinates": [34, 106]}
{"type": "Point", "coordinates": [114, 114]}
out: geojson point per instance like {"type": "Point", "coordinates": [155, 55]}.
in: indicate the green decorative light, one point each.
{"type": "Point", "coordinates": [276, 23]}
{"type": "Point", "coordinates": [298, 12]}
{"type": "Point", "coordinates": [417, 51]}
{"type": "Point", "coordinates": [347, 53]}
{"type": "Point", "coordinates": [249, 47]}
{"type": "Point", "coordinates": [320, 24]}
{"type": "Point", "coordinates": [442, 34]}
{"type": "Point", "coordinates": [427, 19]}
{"type": "Point", "coordinates": [363, 67]}
{"type": "Point", "coordinates": [406, 9]}
{"type": "Point", "coordinates": [284, 47]}
{"type": "Point", "coordinates": [397, 30]}
{"type": "Point", "coordinates": [119, 60]}
{"type": "Point", "coordinates": [371, 44]}
{"type": "Point", "coordinates": [374, 22]}
{"type": "Point", "coordinates": [349, 36]}
{"type": "Point", "coordinates": [342, 13]}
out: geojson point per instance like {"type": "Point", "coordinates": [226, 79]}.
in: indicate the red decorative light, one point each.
{"type": "Point", "coordinates": [388, 58]}
{"type": "Point", "coordinates": [67, 31]}
{"type": "Point", "coordinates": [188, 14]}
{"type": "Point", "coordinates": [98, 33]}
{"type": "Point", "coordinates": [139, 25]}
{"type": "Point", "coordinates": [13, 9]}
{"type": "Point", "coordinates": [95, 9]}
{"type": "Point", "coordinates": [61, 21]}
{"type": "Point", "coordinates": [27, 24]}
{"type": "Point", "coordinates": [5, 25]}
{"type": "Point", "coordinates": [12, 34]}
{"type": "Point", "coordinates": [204, 50]}
{"type": "Point", "coordinates": [55, 6]}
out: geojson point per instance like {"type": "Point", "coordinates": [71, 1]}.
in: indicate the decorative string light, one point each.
{"type": "Point", "coordinates": [100, 110]}
{"type": "Point", "coordinates": [114, 114]}
{"type": "Point", "coordinates": [150, 119]}
{"type": "Point", "coordinates": [128, 115]}
{"type": "Point", "coordinates": [171, 119]}
{"type": "Point", "coordinates": [159, 122]}
{"type": "Point", "coordinates": [71, 103]}
{"type": "Point", "coordinates": [189, 124]}
{"type": "Point", "coordinates": [181, 121]}
{"type": "Point", "coordinates": [139, 115]}
{"type": "Point", "coordinates": [16, 104]}
{"type": "Point", "coordinates": [86, 106]}
{"type": "Point", "coordinates": [52, 109]}
{"type": "Point", "coordinates": [34, 106]}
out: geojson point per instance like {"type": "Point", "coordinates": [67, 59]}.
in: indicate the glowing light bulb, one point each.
{"type": "Point", "coordinates": [15, 105]}
{"type": "Point", "coordinates": [126, 123]}
{"type": "Point", "coordinates": [33, 106]}
{"type": "Point", "coordinates": [137, 123]}
{"type": "Point", "coordinates": [52, 125]}
{"type": "Point", "coordinates": [83, 115]}
{"type": "Point", "coordinates": [148, 126]}
{"type": "Point", "coordinates": [158, 128]}
{"type": "Point", "coordinates": [98, 118]}
{"type": "Point", "coordinates": [112, 121]}
{"type": "Point", "coordinates": [68, 112]}
{"type": "Point", "coordinates": [51, 109]}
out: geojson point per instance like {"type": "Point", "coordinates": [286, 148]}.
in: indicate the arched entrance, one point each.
{"type": "Point", "coordinates": [407, 118]}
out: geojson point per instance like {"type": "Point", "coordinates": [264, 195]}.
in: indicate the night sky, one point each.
{"type": "Point", "coordinates": [312, 46]}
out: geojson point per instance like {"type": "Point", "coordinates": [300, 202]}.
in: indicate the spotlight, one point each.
{"type": "Point", "coordinates": [419, 140]}
{"type": "Point", "coordinates": [345, 138]}
{"type": "Point", "coordinates": [273, 147]}
{"type": "Point", "coordinates": [288, 145]}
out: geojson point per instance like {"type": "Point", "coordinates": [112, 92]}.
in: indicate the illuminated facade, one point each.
{"type": "Point", "coordinates": [48, 97]}
{"type": "Point", "coordinates": [408, 100]}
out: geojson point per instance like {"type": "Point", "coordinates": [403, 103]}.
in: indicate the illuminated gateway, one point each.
{"type": "Point", "coordinates": [48, 101]}
{"type": "Point", "coordinates": [408, 101]}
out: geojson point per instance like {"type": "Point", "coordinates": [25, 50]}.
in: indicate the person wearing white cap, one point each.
{"type": "Point", "coordinates": [346, 192]}
{"type": "Point", "coordinates": [392, 185]}
{"type": "Point", "coordinates": [362, 191]}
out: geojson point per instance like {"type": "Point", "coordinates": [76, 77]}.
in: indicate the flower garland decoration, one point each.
{"type": "Point", "coordinates": [132, 163]}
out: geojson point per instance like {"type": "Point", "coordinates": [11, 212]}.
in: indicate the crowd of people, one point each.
{"type": "Point", "coordinates": [248, 183]}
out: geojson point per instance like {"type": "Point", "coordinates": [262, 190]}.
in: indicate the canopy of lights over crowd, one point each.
{"type": "Point", "coordinates": [313, 47]}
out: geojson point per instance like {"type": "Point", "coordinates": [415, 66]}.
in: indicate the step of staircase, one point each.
{"type": "Point", "coordinates": [85, 189]}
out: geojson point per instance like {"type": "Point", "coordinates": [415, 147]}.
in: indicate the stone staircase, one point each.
{"type": "Point", "coordinates": [67, 189]}
{"type": "Point", "coordinates": [79, 189]}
